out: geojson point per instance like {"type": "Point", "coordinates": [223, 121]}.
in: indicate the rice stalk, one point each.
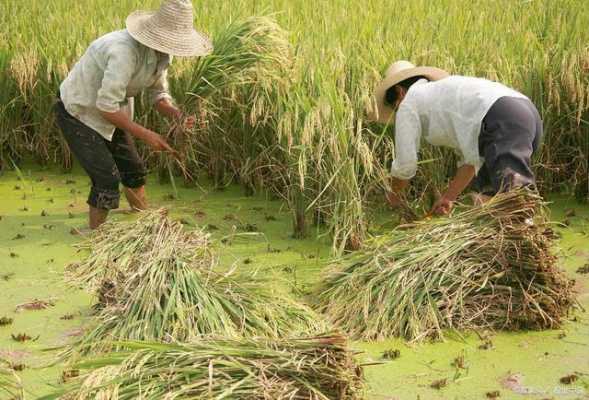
{"type": "Point", "coordinates": [233, 92]}
{"type": "Point", "coordinates": [316, 368]}
{"type": "Point", "coordinates": [154, 281]}
{"type": "Point", "coordinates": [491, 266]}
{"type": "Point", "coordinates": [10, 384]}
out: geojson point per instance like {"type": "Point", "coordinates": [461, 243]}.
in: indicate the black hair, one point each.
{"type": "Point", "coordinates": [391, 94]}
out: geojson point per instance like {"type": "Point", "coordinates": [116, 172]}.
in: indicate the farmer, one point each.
{"type": "Point", "coordinates": [493, 129]}
{"type": "Point", "coordinates": [95, 103]}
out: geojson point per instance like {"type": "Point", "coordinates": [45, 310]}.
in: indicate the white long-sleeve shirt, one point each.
{"type": "Point", "coordinates": [449, 113]}
{"type": "Point", "coordinates": [114, 69]}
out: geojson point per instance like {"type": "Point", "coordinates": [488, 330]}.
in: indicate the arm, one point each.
{"type": "Point", "coordinates": [166, 108]}
{"type": "Point", "coordinates": [164, 105]}
{"type": "Point", "coordinates": [121, 120]}
{"type": "Point", "coordinates": [407, 143]}
{"type": "Point", "coordinates": [463, 177]}
{"type": "Point", "coordinates": [397, 186]}
{"type": "Point", "coordinates": [120, 66]}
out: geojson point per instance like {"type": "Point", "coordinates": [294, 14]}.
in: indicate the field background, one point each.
{"type": "Point", "coordinates": [298, 133]}
{"type": "Point", "coordinates": [299, 128]}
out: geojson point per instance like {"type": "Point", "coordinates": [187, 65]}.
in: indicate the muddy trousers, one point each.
{"type": "Point", "coordinates": [107, 163]}
{"type": "Point", "coordinates": [510, 134]}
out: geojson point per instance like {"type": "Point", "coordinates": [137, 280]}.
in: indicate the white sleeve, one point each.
{"type": "Point", "coordinates": [470, 157]}
{"type": "Point", "coordinates": [407, 142]}
{"type": "Point", "coordinates": [120, 66]}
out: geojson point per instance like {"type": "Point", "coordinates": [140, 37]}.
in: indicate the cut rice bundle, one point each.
{"type": "Point", "coordinates": [117, 253]}
{"type": "Point", "coordinates": [10, 384]}
{"type": "Point", "coordinates": [162, 286]}
{"type": "Point", "coordinates": [490, 266]}
{"type": "Point", "coordinates": [319, 368]}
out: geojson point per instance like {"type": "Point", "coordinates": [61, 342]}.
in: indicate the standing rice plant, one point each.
{"type": "Point", "coordinates": [490, 266]}
{"type": "Point", "coordinates": [255, 89]}
{"type": "Point", "coordinates": [316, 368]}
{"type": "Point", "coordinates": [158, 282]}
{"type": "Point", "coordinates": [233, 92]}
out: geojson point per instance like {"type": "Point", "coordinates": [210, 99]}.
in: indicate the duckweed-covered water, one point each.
{"type": "Point", "coordinates": [38, 209]}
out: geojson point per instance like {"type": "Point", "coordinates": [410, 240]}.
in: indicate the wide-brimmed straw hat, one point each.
{"type": "Point", "coordinates": [169, 30]}
{"type": "Point", "coordinates": [396, 73]}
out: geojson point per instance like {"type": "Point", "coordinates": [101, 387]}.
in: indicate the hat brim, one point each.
{"type": "Point", "coordinates": [189, 44]}
{"type": "Point", "coordinates": [384, 112]}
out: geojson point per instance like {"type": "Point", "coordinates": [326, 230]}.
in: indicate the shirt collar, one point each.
{"type": "Point", "coordinates": [161, 60]}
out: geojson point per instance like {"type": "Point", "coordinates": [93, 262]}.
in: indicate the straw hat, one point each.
{"type": "Point", "coordinates": [169, 30]}
{"type": "Point", "coordinates": [398, 72]}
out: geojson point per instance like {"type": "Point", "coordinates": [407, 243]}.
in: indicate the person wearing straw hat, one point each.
{"type": "Point", "coordinates": [493, 129]}
{"type": "Point", "coordinates": [94, 109]}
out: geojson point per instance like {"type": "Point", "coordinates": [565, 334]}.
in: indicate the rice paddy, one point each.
{"type": "Point", "coordinates": [293, 266]}
{"type": "Point", "coordinates": [211, 294]}
{"type": "Point", "coordinates": [282, 102]}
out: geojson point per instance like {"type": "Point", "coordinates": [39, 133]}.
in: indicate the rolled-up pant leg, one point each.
{"type": "Point", "coordinates": [93, 154]}
{"type": "Point", "coordinates": [511, 133]}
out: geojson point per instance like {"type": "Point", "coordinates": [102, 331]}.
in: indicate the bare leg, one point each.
{"type": "Point", "coordinates": [136, 198]}
{"type": "Point", "coordinates": [97, 217]}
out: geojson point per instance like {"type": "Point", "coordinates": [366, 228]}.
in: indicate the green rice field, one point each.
{"type": "Point", "coordinates": [283, 150]}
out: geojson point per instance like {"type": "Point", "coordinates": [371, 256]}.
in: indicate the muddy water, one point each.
{"type": "Point", "coordinates": [40, 207]}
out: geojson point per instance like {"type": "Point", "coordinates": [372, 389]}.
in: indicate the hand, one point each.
{"type": "Point", "coordinates": [189, 122]}
{"type": "Point", "coordinates": [158, 143]}
{"type": "Point", "coordinates": [443, 206]}
{"type": "Point", "coordinates": [393, 199]}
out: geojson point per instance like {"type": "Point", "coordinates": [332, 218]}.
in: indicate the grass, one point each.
{"type": "Point", "coordinates": [316, 368]}
{"type": "Point", "coordinates": [282, 101]}
{"type": "Point", "coordinates": [156, 281]}
{"type": "Point", "coordinates": [488, 267]}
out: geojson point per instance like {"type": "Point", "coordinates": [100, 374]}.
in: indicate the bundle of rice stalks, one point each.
{"type": "Point", "coordinates": [234, 92]}
{"type": "Point", "coordinates": [490, 266]}
{"type": "Point", "coordinates": [309, 369]}
{"type": "Point", "coordinates": [10, 385]}
{"type": "Point", "coordinates": [155, 281]}
{"type": "Point", "coordinates": [117, 249]}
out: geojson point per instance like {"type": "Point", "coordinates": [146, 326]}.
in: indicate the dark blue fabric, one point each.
{"type": "Point", "coordinates": [107, 163]}
{"type": "Point", "coordinates": [511, 133]}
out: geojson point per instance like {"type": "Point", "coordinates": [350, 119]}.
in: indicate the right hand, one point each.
{"type": "Point", "coordinates": [158, 143]}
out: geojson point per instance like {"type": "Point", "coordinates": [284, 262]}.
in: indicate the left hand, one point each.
{"type": "Point", "coordinates": [189, 122]}
{"type": "Point", "coordinates": [443, 206]}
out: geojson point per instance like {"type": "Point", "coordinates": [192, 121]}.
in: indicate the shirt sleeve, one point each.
{"type": "Point", "coordinates": [407, 142]}
{"type": "Point", "coordinates": [160, 88]}
{"type": "Point", "coordinates": [120, 66]}
{"type": "Point", "coordinates": [469, 156]}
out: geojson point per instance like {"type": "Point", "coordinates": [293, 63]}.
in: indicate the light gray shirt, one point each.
{"type": "Point", "coordinates": [114, 69]}
{"type": "Point", "coordinates": [448, 112]}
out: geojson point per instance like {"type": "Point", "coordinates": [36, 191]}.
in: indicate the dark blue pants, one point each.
{"type": "Point", "coordinates": [107, 163]}
{"type": "Point", "coordinates": [510, 134]}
